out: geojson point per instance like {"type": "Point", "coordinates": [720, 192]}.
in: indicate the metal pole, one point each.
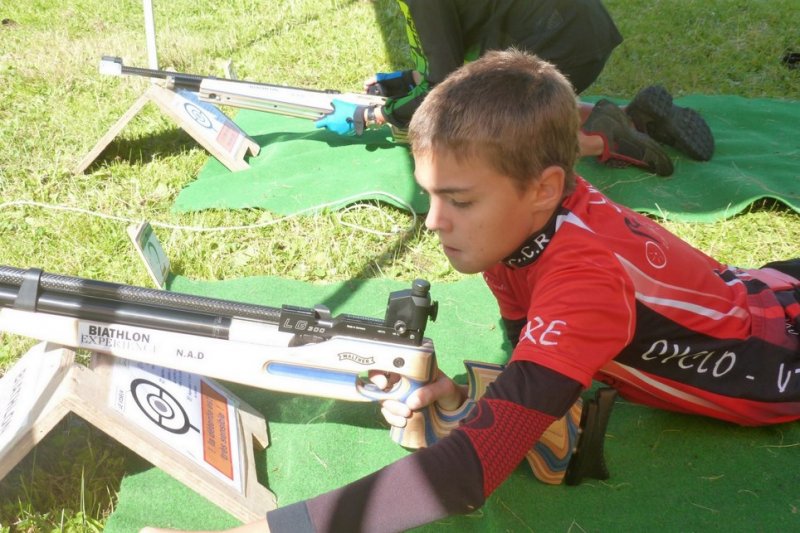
{"type": "Point", "coordinates": [150, 34]}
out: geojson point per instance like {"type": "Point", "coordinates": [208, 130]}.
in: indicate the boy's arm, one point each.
{"type": "Point", "coordinates": [455, 475]}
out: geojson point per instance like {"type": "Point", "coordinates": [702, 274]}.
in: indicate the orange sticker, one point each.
{"type": "Point", "coordinates": [228, 137]}
{"type": "Point", "coordinates": [216, 430]}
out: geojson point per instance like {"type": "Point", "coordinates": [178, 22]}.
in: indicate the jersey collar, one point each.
{"type": "Point", "coordinates": [530, 250]}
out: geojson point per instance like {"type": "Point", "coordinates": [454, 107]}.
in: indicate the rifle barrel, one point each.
{"type": "Point", "coordinates": [129, 314]}
{"type": "Point", "coordinates": [173, 301]}
{"type": "Point", "coordinates": [192, 82]}
{"type": "Point", "coordinates": [407, 311]}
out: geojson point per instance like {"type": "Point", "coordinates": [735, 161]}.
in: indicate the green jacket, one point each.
{"type": "Point", "coordinates": [443, 34]}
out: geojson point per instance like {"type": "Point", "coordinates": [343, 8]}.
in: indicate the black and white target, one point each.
{"type": "Point", "coordinates": [198, 115]}
{"type": "Point", "coordinates": [160, 407]}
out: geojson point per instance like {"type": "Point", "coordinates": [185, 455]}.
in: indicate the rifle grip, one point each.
{"type": "Point", "coordinates": [428, 425]}
{"type": "Point", "coordinates": [431, 423]}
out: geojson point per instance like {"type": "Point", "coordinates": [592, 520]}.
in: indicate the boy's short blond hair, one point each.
{"type": "Point", "coordinates": [510, 109]}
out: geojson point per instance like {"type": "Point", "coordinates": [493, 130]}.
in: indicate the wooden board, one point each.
{"type": "Point", "coordinates": [46, 384]}
{"type": "Point", "coordinates": [206, 124]}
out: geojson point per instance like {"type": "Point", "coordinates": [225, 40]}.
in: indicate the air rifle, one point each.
{"type": "Point", "coordinates": [291, 349]}
{"type": "Point", "coordinates": [280, 99]}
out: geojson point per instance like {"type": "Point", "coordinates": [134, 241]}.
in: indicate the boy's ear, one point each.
{"type": "Point", "coordinates": [549, 189]}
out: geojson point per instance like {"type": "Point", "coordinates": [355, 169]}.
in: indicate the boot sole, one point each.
{"type": "Point", "coordinates": [653, 112]}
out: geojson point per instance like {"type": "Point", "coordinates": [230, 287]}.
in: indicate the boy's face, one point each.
{"type": "Point", "coordinates": [480, 215]}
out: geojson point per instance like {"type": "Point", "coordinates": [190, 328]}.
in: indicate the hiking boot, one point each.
{"type": "Point", "coordinates": [653, 113]}
{"type": "Point", "coordinates": [623, 145]}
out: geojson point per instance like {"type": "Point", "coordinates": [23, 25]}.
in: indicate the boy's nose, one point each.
{"type": "Point", "coordinates": [434, 220]}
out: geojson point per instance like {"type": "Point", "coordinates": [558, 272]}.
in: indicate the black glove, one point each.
{"type": "Point", "coordinates": [393, 84]}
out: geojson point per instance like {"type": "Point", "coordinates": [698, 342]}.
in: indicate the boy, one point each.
{"type": "Point", "coordinates": [591, 290]}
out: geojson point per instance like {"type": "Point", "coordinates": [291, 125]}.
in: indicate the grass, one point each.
{"type": "Point", "coordinates": [54, 106]}
{"type": "Point", "coordinates": [73, 489]}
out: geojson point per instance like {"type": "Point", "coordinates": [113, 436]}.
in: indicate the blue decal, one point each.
{"type": "Point", "coordinates": [313, 374]}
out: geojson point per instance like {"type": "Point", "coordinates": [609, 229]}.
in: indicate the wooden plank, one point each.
{"type": "Point", "coordinates": [202, 121]}
{"type": "Point", "coordinates": [112, 132]}
{"type": "Point", "coordinates": [46, 384]}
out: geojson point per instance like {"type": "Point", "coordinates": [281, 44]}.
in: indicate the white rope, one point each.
{"type": "Point", "coordinates": [342, 201]}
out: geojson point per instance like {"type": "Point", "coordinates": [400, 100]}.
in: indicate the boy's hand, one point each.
{"type": "Point", "coordinates": [346, 118]}
{"type": "Point", "coordinates": [392, 84]}
{"type": "Point", "coordinates": [442, 390]}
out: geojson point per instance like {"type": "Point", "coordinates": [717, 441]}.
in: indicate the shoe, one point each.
{"type": "Point", "coordinates": [624, 145]}
{"type": "Point", "coordinates": [551, 455]}
{"type": "Point", "coordinates": [653, 113]}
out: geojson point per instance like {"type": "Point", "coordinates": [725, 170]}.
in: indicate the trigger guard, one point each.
{"type": "Point", "coordinates": [400, 391]}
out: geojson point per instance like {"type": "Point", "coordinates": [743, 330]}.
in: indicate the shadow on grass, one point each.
{"type": "Point", "coordinates": [392, 25]}
{"type": "Point", "coordinates": [75, 468]}
{"type": "Point", "coordinates": [144, 149]}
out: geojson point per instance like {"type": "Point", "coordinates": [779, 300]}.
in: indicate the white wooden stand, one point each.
{"type": "Point", "coordinates": [202, 121]}
{"type": "Point", "coordinates": [46, 384]}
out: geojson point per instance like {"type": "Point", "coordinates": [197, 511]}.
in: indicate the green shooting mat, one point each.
{"type": "Point", "coordinates": [669, 472]}
{"type": "Point", "coordinates": [300, 168]}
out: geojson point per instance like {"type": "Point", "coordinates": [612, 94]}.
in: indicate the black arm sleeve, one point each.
{"type": "Point", "coordinates": [513, 329]}
{"type": "Point", "coordinates": [435, 36]}
{"type": "Point", "coordinates": [448, 477]}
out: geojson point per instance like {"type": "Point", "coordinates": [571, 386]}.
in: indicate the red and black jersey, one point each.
{"type": "Point", "coordinates": [601, 293]}
{"type": "Point", "coordinates": [607, 293]}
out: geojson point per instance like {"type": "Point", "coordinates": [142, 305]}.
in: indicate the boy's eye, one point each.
{"type": "Point", "coordinates": [460, 203]}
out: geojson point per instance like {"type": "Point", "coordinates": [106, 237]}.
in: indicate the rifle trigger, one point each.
{"type": "Point", "coordinates": [28, 290]}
